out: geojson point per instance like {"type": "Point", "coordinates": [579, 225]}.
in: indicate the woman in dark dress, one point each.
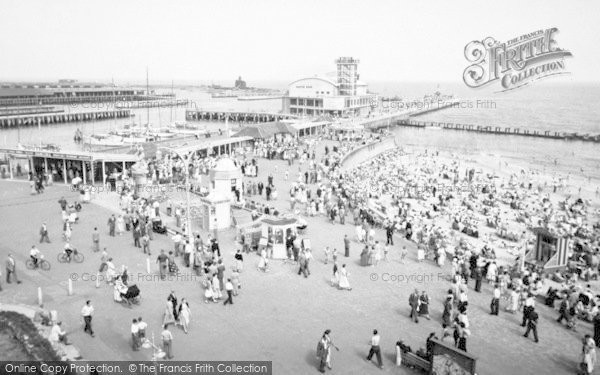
{"type": "Point", "coordinates": [424, 305]}
{"type": "Point", "coordinates": [447, 314]}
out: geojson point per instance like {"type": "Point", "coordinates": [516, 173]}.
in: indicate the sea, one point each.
{"type": "Point", "coordinates": [546, 105]}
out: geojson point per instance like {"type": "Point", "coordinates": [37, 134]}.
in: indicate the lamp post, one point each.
{"type": "Point", "coordinates": [187, 159]}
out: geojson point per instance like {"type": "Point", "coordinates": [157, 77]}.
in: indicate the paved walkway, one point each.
{"type": "Point", "coordinates": [279, 315]}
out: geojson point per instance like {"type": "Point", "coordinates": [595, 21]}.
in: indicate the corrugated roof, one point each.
{"type": "Point", "coordinates": [266, 130]}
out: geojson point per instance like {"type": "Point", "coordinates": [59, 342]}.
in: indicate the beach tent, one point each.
{"type": "Point", "coordinates": [550, 251]}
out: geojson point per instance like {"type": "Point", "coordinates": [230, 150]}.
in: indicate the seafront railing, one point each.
{"type": "Point", "coordinates": [368, 151]}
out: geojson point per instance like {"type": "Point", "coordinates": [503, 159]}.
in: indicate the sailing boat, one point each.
{"type": "Point", "coordinates": [183, 127]}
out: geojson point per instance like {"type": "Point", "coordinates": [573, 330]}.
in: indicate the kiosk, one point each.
{"type": "Point", "coordinates": [275, 230]}
{"type": "Point", "coordinates": [226, 178]}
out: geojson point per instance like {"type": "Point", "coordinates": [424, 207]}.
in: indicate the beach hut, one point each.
{"type": "Point", "coordinates": [550, 251]}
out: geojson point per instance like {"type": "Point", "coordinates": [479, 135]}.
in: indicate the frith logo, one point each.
{"type": "Point", "coordinates": [515, 63]}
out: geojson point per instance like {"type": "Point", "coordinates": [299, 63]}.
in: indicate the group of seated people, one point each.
{"type": "Point", "coordinates": [574, 303]}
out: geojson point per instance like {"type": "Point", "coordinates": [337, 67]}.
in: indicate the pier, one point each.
{"type": "Point", "coordinates": [500, 130]}
{"type": "Point", "coordinates": [64, 100]}
{"type": "Point", "coordinates": [58, 118]}
{"type": "Point", "coordinates": [390, 119]}
{"type": "Point", "coordinates": [199, 115]}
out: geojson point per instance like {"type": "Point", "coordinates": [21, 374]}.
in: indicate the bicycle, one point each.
{"type": "Point", "coordinates": [41, 263]}
{"type": "Point", "coordinates": [76, 256]}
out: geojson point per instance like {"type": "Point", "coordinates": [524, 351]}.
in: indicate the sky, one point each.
{"type": "Point", "coordinates": [270, 40]}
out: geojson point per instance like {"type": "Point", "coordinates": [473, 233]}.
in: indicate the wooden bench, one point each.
{"type": "Point", "coordinates": [414, 361]}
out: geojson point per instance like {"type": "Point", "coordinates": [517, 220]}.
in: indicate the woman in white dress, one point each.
{"type": "Point", "coordinates": [216, 287]}
{"type": "Point", "coordinates": [441, 256]}
{"type": "Point", "coordinates": [67, 234]}
{"type": "Point", "coordinates": [344, 283]}
{"type": "Point", "coordinates": [513, 301]}
{"type": "Point", "coordinates": [358, 231]}
{"type": "Point", "coordinates": [420, 253]}
{"type": "Point", "coordinates": [168, 317]}
{"type": "Point", "coordinates": [120, 222]}
{"type": "Point", "coordinates": [208, 291]}
{"type": "Point", "coordinates": [262, 264]}
{"type": "Point", "coordinates": [184, 315]}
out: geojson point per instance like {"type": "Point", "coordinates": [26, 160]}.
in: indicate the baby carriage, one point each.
{"type": "Point", "coordinates": [130, 295]}
{"type": "Point", "coordinates": [159, 227]}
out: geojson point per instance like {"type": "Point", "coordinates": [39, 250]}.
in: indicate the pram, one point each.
{"type": "Point", "coordinates": [130, 295]}
{"type": "Point", "coordinates": [159, 227]}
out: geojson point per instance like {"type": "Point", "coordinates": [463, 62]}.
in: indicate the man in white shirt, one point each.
{"type": "Point", "coordinates": [229, 289]}
{"type": "Point", "coordinates": [35, 253]}
{"type": "Point", "coordinates": [167, 339]}
{"type": "Point", "coordinates": [11, 269]}
{"type": "Point", "coordinates": [375, 348]}
{"type": "Point", "coordinates": [57, 334]}
{"type": "Point", "coordinates": [135, 338]}
{"type": "Point", "coordinates": [87, 312]}
{"type": "Point", "coordinates": [188, 249]}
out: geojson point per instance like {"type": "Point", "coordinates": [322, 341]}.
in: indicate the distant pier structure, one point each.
{"type": "Point", "coordinates": [67, 92]}
{"type": "Point", "coordinates": [236, 116]}
{"type": "Point", "coordinates": [62, 117]}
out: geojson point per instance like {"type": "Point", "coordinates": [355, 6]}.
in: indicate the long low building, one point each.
{"type": "Point", "coordinates": [92, 167]}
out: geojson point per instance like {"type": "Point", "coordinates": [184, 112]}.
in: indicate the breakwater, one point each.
{"type": "Point", "coordinates": [501, 130]}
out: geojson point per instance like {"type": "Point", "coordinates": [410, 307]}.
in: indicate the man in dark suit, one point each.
{"type": "Point", "coordinates": [478, 278]}
{"type": "Point", "coordinates": [260, 188]}
{"type": "Point", "coordinates": [413, 301]}
{"type": "Point", "coordinates": [111, 225]}
{"type": "Point", "coordinates": [532, 325]}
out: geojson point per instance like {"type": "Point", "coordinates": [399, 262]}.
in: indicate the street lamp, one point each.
{"type": "Point", "coordinates": [187, 161]}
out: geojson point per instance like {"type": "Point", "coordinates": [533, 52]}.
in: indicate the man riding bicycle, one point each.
{"type": "Point", "coordinates": [35, 254]}
{"type": "Point", "coordinates": [68, 251]}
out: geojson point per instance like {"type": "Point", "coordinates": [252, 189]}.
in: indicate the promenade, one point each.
{"type": "Point", "coordinates": [272, 318]}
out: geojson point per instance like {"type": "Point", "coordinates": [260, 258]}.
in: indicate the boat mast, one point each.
{"type": "Point", "coordinates": [147, 99]}
{"type": "Point", "coordinates": [40, 123]}
{"type": "Point", "coordinates": [171, 106]}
